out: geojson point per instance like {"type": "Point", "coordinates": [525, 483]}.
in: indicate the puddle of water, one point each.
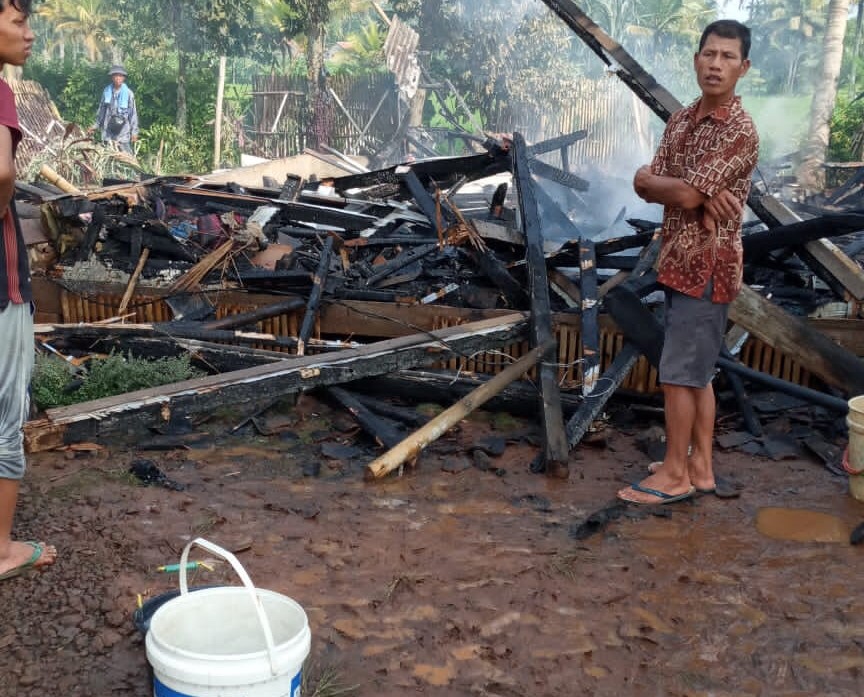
{"type": "Point", "coordinates": [799, 525]}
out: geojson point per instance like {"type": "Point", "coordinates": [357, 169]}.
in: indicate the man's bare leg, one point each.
{"type": "Point", "coordinates": [699, 464]}
{"type": "Point", "coordinates": [680, 405]}
{"type": "Point", "coordinates": [14, 554]}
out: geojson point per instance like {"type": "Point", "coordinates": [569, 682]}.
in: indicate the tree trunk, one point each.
{"type": "Point", "coordinates": [856, 49]}
{"type": "Point", "coordinates": [217, 130]}
{"type": "Point", "coordinates": [182, 113]}
{"type": "Point", "coordinates": [314, 68]}
{"type": "Point", "coordinates": [810, 173]}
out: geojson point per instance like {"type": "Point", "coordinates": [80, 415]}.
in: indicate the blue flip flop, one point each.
{"type": "Point", "coordinates": [30, 563]}
{"type": "Point", "coordinates": [662, 495]}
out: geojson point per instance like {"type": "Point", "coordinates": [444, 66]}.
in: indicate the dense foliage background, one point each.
{"type": "Point", "coordinates": [491, 51]}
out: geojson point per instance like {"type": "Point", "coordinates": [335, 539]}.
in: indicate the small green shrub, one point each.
{"type": "Point", "coordinates": [55, 385]}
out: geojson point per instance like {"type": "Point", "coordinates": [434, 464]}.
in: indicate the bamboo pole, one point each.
{"type": "Point", "coordinates": [133, 280]}
{"type": "Point", "coordinates": [411, 446]}
{"type": "Point", "coordinates": [52, 177]}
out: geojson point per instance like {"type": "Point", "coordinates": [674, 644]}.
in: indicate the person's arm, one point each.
{"type": "Point", "coordinates": [100, 116]}
{"type": "Point", "coordinates": [669, 191]}
{"type": "Point", "coordinates": [7, 170]}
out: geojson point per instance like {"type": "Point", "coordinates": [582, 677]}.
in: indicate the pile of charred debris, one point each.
{"type": "Point", "coordinates": [408, 236]}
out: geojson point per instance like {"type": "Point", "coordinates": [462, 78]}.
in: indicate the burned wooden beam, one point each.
{"type": "Point", "coordinates": [559, 176]}
{"type": "Point", "coordinates": [442, 170]}
{"type": "Point", "coordinates": [519, 398]}
{"type": "Point", "coordinates": [116, 416]}
{"type": "Point", "coordinates": [589, 327]}
{"type": "Point", "coordinates": [800, 233]}
{"type": "Point", "coordinates": [315, 296]}
{"type": "Point", "coordinates": [393, 412]}
{"type": "Point", "coordinates": [640, 326]}
{"type": "Point", "coordinates": [244, 319]}
{"type": "Point", "coordinates": [593, 403]}
{"type": "Point", "coordinates": [91, 236]}
{"type": "Point", "coordinates": [558, 143]}
{"type": "Point", "coordinates": [409, 256]}
{"type": "Point", "coordinates": [384, 433]}
{"type": "Point", "coordinates": [300, 212]}
{"type": "Point", "coordinates": [556, 448]}
{"type": "Point", "coordinates": [812, 350]}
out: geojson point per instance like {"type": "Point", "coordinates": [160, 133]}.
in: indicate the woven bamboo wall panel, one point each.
{"type": "Point", "coordinates": [642, 377]}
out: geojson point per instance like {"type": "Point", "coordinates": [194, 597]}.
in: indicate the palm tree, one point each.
{"type": "Point", "coordinates": [810, 174]}
{"type": "Point", "coordinates": [87, 23]}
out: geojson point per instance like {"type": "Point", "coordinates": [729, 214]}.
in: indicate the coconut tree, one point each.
{"type": "Point", "coordinates": [810, 173]}
{"type": "Point", "coordinates": [90, 24]}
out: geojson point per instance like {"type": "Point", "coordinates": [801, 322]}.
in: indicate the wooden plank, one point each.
{"type": "Point", "coordinates": [824, 257]}
{"type": "Point", "coordinates": [117, 415]}
{"type": "Point", "coordinates": [556, 448]}
{"type": "Point", "coordinates": [590, 310]}
{"type": "Point", "coordinates": [315, 296]}
{"type": "Point", "coordinates": [593, 403]}
{"type": "Point", "coordinates": [783, 332]}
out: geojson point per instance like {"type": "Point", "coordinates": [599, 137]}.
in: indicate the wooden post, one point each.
{"type": "Point", "coordinates": [315, 296]}
{"type": "Point", "coordinates": [217, 131]}
{"type": "Point", "coordinates": [381, 429]}
{"type": "Point", "coordinates": [590, 328]}
{"type": "Point", "coordinates": [556, 448]}
{"type": "Point", "coordinates": [410, 447]}
{"type": "Point", "coordinates": [133, 281]}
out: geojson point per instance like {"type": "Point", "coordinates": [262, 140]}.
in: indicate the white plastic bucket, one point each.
{"type": "Point", "coordinates": [227, 642]}
{"type": "Point", "coordinates": [853, 461]}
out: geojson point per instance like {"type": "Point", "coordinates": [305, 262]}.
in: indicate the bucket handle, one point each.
{"type": "Point", "coordinates": [247, 582]}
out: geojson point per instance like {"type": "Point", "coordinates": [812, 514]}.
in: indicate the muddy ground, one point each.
{"type": "Point", "coordinates": [459, 578]}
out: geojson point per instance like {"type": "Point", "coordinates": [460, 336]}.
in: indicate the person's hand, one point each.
{"type": "Point", "coordinates": [640, 180]}
{"type": "Point", "coordinates": [134, 139]}
{"type": "Point", "coordinates": [724, 206]}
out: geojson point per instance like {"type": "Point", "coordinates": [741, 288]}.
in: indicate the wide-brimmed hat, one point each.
{"type": "Point", "coordinates": [117, 70]}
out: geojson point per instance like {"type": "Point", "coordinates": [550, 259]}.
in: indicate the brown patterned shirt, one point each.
{"type": "Point", "coordinates": [717, 152]}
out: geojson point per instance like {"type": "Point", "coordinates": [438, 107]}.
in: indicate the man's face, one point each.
{"type": "Point", "coordinates": [16, 39]}
{"type": "Point", "coordinates": [117, 79]}
{"type": "Point", "coordinates": [719, 66]}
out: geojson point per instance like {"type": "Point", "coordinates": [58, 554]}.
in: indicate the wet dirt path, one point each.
{"type": "Point", "coordinates": [442, 583]}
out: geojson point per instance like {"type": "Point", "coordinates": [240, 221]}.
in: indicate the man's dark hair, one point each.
{"type": "Point", "coordinates": [25, 6]}
{"type": "Point", "coordinates": [728, 29]}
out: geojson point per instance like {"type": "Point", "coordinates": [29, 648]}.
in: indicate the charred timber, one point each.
{"type": "Point", "coordinates": [116, 416]}
{"type": "Point", "coordinates": [381, 429]}
{"type": "Point", "coordinates": [315, 295]}
{"type": "Point", "coordinates": [556, 448]}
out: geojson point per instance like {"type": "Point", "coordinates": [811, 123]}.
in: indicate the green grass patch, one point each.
{"type": "Point", "coordinates": [55, 383]}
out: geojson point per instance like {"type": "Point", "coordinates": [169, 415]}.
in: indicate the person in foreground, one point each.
{"type": "Point", "coordinates": [701, 174]}
{"type": "Point", "coordinates": [16, 318]}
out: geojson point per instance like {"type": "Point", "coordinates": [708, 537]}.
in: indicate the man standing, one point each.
{"type": "Point", "coordinates": [16, 319]}
{"type": "Point", "coordinates": [701, 174]}
{"type": "Point", "coordinates": [117, 117]}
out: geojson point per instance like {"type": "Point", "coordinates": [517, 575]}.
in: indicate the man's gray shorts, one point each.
{"type": "Point", "coordinates": [16, 366]}
{"type": "Point", "coordinates": [695, 328]}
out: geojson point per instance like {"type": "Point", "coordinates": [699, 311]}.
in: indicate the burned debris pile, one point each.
{"type": "Point", "coordinates": [357, 284]}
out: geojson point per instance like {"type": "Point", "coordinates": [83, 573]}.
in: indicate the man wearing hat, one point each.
{"type": "Point", "coordinates": [117, 118]}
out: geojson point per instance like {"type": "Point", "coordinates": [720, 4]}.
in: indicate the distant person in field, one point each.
{"type": "Point", "coordinates": [16, 307]}
{"type": "Point", "coordinates": [701, 174]}
{"type": "Point", "coordinates": [117, 117]}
